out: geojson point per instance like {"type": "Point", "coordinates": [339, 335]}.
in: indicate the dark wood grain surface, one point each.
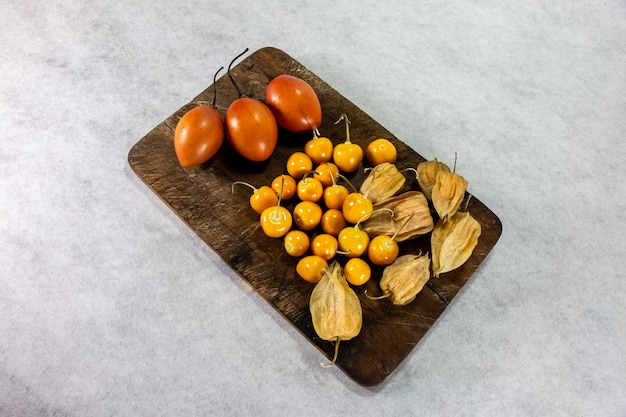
{"type": "Point", "coordinates": [203, 198]}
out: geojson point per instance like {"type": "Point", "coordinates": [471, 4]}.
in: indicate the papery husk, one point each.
{"type": "Point", "coordinates": [411, 206]}
{"type": "Point", "coordinates": [335, 307]}
{"type": "Point", "coordinates": [383, 181]}
{"type": "Point", "coordinates": [453, 242]}
{"type": "Point", "coordinates": [405, 278]}
{"type": "Point", "coordinates": [448, 193]}
{"type": "Point", "coordinates": [427, 173]}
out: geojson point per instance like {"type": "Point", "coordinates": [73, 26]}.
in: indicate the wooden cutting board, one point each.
{"type": "Point", "coordinates": [204, 199]}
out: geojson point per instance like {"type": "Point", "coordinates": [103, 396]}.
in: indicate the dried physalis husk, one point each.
{"type": "Point", "coordinates": [383, 181]}
{"type": "Point", "coordinates": [411, 217]}
{"type": "Point", "coordinates": [426, 174]}
{"type": "Point", "coordinates": [448, 193]}
{"type": "Point", "coordinates": [453, 241]}
{"type": "Point", "coordinates": [405, 278]}
{"type": "Point", "coordinates": [335, 308]}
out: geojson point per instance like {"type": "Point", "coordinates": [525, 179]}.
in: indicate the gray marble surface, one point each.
{"type": "Point", "coordinates": [111, 306]}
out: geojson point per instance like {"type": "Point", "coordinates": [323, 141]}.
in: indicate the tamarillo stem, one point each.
{"type": "Point", "coordinates": [231, 77]}
{"type": "Point", "coordinates": [214, 87]}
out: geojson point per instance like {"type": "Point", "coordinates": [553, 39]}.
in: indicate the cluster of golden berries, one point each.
{"type": "Point", "coordinates": [325, 220]}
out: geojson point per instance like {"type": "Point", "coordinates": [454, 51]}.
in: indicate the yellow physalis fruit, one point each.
{"type": "Point", "coordinates": [380, 150]}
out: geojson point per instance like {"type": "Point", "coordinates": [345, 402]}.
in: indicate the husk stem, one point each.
{"type": "Point", "coordinates": [380, 297]}
{"type": "Point", "coordinates": [410, 169]}
{"type": "Point", "coordinates": [334, 360]}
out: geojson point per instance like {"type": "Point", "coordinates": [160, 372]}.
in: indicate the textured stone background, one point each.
{"type": "Point", "coordinates": [110, 306]}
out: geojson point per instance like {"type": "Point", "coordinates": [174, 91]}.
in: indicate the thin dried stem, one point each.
{"type": "Point", "coordinates": [231, 77]}
{"type": "Point", "coordinates": [214, 87]}
{"type": "Point", "coordinates": [334, 360]}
